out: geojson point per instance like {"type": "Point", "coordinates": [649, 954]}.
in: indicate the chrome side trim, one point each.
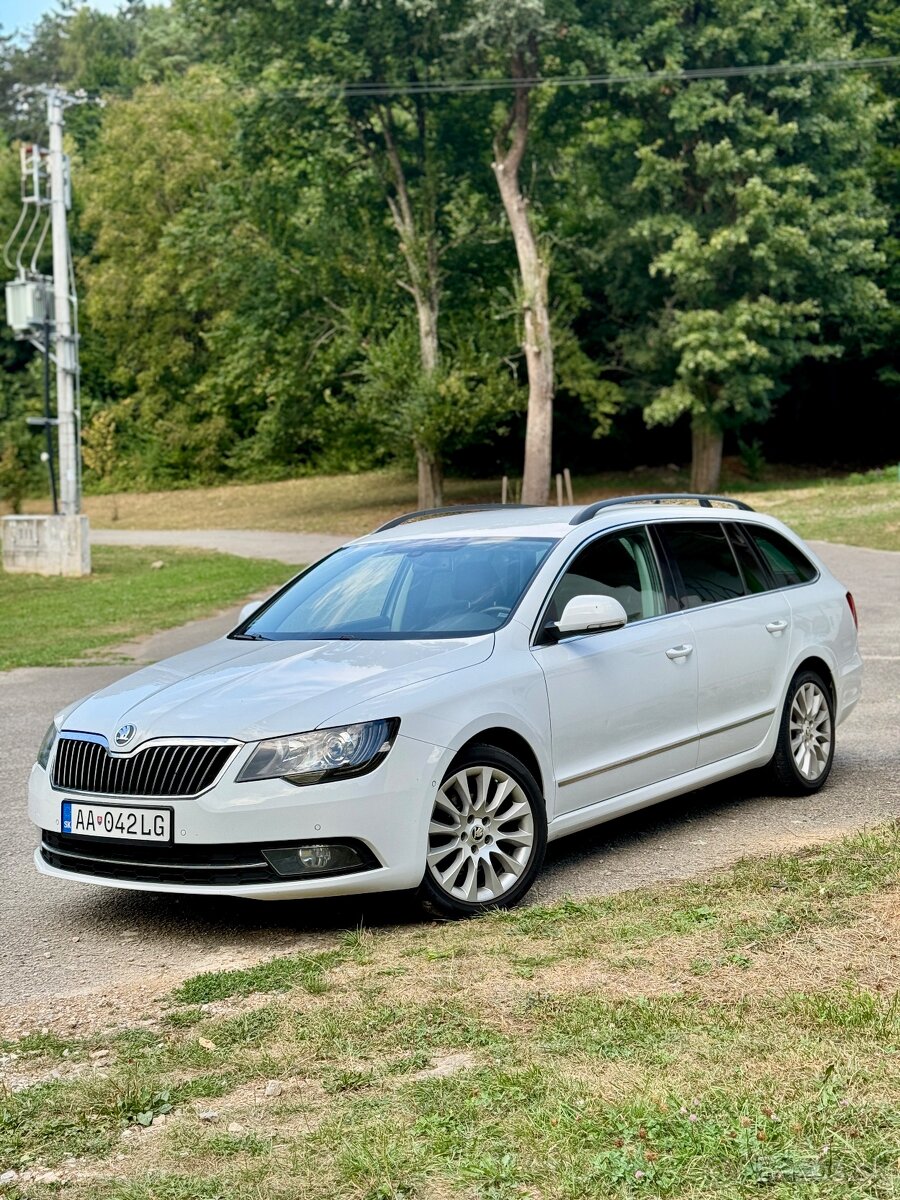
{"type": "Point", "coordinates": [624, 762]}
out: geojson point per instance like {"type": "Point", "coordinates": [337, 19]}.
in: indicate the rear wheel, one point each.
{"type": "Point", "coordinates": [805, 749]}
{"type": "Point", "coordinates": [487, 835]}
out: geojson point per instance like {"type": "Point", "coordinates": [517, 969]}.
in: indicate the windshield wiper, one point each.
{"type": "Point", "coordinates": [250, 637]}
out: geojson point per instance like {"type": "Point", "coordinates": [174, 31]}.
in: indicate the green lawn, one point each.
{"type": "Point", "coordinates": [54, 621]}
{"type": "Point", "coordinates": [720, 1039]}
{"type": "Point", "coordinates": [864, 513]}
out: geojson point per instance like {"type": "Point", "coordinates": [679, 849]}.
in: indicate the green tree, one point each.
{"type": "Point", "coordinates": [405, 142]}
{"type": "Point", "coordinates": [741, 229]}
{"type": "Point", "coordinates": [156, 157]}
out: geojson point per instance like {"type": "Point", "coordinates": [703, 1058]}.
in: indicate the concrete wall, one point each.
{"type": "Point", "coordinates": [46, 545]}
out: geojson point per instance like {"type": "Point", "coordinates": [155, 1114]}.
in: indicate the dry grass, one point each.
{"type": "Point", "coordinates": [856, 510]}
{"type": "Point", "coordinates": [701, 1041]}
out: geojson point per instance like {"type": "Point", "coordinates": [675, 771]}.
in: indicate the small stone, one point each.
{"type": "Point", "coordinates": [48, 1177]}
{"type": "Point", "coordinates": [98, 1054]}
{"type": "Point", "coordinates": [9, 1177]}
{"type": "Point", "coordinates": [208, 1115]}
{"type": "Point", "coordinates": [206, 1043]}
{"type": "Point", "coordinates": [156, 566]}
{"type": "Point", "coordinates": [159, 1119]}
{"type": "Point", "coordinates": [235, 1127]}
{"type": "Point", "coordinates": [274, 1088]}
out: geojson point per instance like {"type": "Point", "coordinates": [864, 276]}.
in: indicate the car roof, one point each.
{"type": "Point", "coordinates": [548, 520]}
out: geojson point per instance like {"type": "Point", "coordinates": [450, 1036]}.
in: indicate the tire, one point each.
{"type": "Point", "coordinates": [472, 837]}
{"type": "Point", "coordinates": [805, 748]}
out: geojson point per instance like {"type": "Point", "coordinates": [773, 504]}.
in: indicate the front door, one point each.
{"type": "Point", "coordinates": [623, 703]}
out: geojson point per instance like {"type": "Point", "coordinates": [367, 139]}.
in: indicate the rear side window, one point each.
{"type": "Point", "coordinates": [703, 566]}
{"type": "Point", "coordinates": [751, 568]}
{"type": "Point", "coordinates": [787, 564]}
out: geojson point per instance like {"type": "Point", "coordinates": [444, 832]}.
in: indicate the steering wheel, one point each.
{"type": "Point", "coordinates": [501, 610]}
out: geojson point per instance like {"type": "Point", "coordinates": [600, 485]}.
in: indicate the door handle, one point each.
{"type": "Point", "coordinates": [675, 652]}
{"type": "Point", "coordinates": [776, 626]}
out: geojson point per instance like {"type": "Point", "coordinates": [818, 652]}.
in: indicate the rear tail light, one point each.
{"type": "Point", "coordinates": [852, 604]}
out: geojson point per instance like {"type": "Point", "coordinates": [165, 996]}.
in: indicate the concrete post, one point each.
{"type": "Point", "coordinates": [66, 367]}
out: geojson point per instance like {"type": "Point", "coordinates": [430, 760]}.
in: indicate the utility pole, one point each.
{"type": "Point", "coordinates": [35, 303]}
{"type": "Point", "coordinates": [66, 347]}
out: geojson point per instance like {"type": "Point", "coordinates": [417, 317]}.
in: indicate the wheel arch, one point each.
{"type": "Point", "coordinates": [513, 743]}
{"type": "Point", "coordinates": [813, 663]}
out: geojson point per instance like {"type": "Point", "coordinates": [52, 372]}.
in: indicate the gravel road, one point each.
{"type": "Point", "coordinates": [59, 939]}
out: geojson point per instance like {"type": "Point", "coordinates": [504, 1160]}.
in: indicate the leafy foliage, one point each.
{"type": "Point", "coordinates": [280, 275]}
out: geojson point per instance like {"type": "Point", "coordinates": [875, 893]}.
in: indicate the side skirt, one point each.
{"type": "Point", "coordinates": [620, 806]}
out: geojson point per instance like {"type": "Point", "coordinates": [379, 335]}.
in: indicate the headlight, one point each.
{"type": "Point", "coordinates": [46, 749]}
{"type": "Point", "coordinates": [323, 754]}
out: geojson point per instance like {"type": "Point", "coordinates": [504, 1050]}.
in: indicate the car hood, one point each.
{"type": "Point", "coordinates": [253, 690]}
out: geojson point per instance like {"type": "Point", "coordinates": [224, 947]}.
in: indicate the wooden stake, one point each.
{"type": "Point", "coordinates": [504, 489]}
{"type": "Point", "coordinates": [559, 490]}
{"type": "Point", "coordinates": [567, 475]}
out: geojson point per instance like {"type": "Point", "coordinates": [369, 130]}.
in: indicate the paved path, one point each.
{"type": "Point", "coordinates": [62, 938]}
{"type": "Point", "coordinates": [248, 543]}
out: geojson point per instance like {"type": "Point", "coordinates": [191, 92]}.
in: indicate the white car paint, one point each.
{"type": "Point", "coordinates": [616, 719]}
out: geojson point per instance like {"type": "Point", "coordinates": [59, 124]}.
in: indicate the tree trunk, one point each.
{"type": "Point", "coordinates": [419, 247]}
{"type": "Point", "coordinates": [431, 478]}
{"type": "Point", "coordinates": [428, 460]}
{"type": "Point", "coordinates": [534, 271]}
{"type": "Point", "coordinates": [706, 454]}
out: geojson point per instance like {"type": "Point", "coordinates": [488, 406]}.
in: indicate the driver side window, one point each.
{"type": "Point", "coordinates": [621, 565]}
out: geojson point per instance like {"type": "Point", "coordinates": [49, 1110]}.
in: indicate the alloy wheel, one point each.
{"type": "Point", "coordinates": [481, 835]}
{"type": "Point", "coordinates": [810, 731]}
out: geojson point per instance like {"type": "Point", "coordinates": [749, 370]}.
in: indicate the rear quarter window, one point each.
{"type": "Point", "coordinates": [787, 564]}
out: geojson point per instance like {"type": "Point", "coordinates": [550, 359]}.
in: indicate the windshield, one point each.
{"type": "Point", "coordinates": [428, 588]}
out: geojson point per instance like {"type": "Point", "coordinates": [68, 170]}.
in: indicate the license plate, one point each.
{"type": "Point", "coordinates": [117, 821]}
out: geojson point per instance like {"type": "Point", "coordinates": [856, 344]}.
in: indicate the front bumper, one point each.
{"type": "Point", "coordinates": [218, 836]}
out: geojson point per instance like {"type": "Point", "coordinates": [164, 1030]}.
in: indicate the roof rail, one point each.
{"type": "Point", "coordinates": [448, 510]}
{"type": "Point", "coordinates": [704, 501]}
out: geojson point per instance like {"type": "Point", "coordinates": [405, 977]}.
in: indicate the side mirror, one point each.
{"type": "Point", "coordinates": [249, 609]}
{"type": "Point", "coordinates": [590, 614]}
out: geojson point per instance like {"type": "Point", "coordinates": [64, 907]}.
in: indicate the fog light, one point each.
{"type": "Point", "coordinates": [318, 858]}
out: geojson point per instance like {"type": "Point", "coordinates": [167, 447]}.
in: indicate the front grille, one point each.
{"type": "Point", "coordinates": [142, 862]}
{"type": "Point", "coordinates": [169, 770]}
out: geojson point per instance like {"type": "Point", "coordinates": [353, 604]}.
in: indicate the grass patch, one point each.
{"type": "Point", "coordinates": [277, 975]}
{"type": "Point", "coordinates": [54, 621]}
{"type": "Point", "coordinates": [713, 1040]}
{"type": "Point", "coordinates": [862, 510]}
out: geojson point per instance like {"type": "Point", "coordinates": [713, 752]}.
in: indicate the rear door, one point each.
{"type": "Point", "coordinates": [740, 628]}
{"type": "Point", "coordinates": [623, 703]}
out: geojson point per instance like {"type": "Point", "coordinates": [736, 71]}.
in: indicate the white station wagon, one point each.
{"type": "Point", "coordinates": [429, 705]}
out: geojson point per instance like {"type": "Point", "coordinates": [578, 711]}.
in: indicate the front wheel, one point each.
{"type": "Point", "coordinates": [487, 835]}
{"type": "Point", "coordinates": [805, 749]}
